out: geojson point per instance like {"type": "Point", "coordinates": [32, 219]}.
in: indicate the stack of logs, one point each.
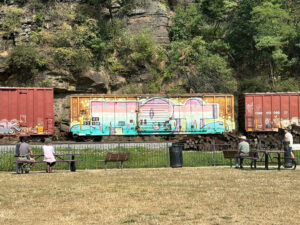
{"type": "Point", "coordinates": [209, 143]}
{"type": "Point", "coordinates": [230, 141]}
{"type": "Point", "coordinates": [296, 133]}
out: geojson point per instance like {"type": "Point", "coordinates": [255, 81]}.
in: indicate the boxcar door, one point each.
{"type": "Point", "coordinates": [97, 117]}
{"type": "Point", "coordinates": [109, 117]}
{"type": "Point", "coordinates": [154, 116]}
{"type": "Point", "coordinates": [131, 118]}
{"type": "Point", "coordinates": [22, 107]}
{"type": "Point", "coordinates": [120, 118]}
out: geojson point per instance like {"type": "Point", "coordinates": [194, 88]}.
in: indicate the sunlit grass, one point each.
{"type": "Point", "coordinates": [195, 195]}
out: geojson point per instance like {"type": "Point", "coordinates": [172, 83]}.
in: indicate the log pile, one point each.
{"type": "Point", "coordinates": [296, 133]}
{"type": "Point", "coordinates": [207, 142]}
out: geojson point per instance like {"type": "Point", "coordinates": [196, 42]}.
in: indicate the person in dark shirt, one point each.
{"type": "Point", "coordinates": [26, 153]}
{"type": "Point", "coordinates": [17, 153]}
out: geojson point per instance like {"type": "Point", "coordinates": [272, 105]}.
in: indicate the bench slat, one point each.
{"type": "Point", "coordinates": [117, 156]}
{"type": "Point", "coordinates": [21, 162]}
{"type": "Point", "coordinates": [229, 154]}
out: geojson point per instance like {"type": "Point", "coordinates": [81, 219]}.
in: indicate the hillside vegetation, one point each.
{"type": "Point", "coordinates": [227, 46]}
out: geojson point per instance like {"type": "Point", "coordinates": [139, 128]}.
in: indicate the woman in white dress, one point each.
{"type": "Point", "coordinates": [49, 157]}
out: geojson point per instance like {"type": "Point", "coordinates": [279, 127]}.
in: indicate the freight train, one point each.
{"type": "Point", "coordinates": [29, 111]}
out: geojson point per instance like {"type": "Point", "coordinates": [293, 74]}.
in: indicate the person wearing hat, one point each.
{"type": "Point", "coordinates": [243, 150]}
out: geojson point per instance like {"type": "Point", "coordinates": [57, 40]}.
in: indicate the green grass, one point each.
{"type": "Point", "coordinates": [140, 157]}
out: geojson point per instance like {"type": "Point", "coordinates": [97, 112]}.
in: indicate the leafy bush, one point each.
{"type": "Point", "coordinates": [137, 52]}
{"type": "Point", "coordinates": [39, 18]}
{"type": "Point", "coordinates": [25, 60]}
{"type": "Point", "coordinates": [186, 23]}
{"type": "Point", "coordinates": [11, 22]}
{"type": "Point", "coordinates": [70, 47]}
{"type": "Point", "coordinates": [77, 59]}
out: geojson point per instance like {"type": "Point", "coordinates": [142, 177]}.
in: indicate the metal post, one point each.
{"type": "Point", "coordinates": [214, 151]}
{"type": "Point", "coordinates": [259, 144]}
{"type": "Point", "coordinates": [167, 154]}
{"type": "Point", "coordinates": [69, 156]}
{"type": "Point", "coordinates": [119, 151]}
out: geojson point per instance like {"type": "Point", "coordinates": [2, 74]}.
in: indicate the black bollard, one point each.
{"type": "Point", "coordinates": [73, 166]}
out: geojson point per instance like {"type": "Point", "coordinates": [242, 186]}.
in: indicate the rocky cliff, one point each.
{"type": "Point", "coordinates": [35, 26]}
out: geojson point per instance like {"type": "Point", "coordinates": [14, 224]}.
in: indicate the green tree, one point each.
{"type": "Point", "coordinates": [273, 33]}
{"type": "Point", "coordinates": [198, 51]}
{"type": "Point", "coordinates": [187, 23]}
{"type": "Point", "coordinates": [204, 70]}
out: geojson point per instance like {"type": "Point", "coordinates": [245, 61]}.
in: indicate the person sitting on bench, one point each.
{"type": "Point", "coordinates": [26, 153]}
{"type": "Point", "coordinates": [17, 153]}
{"type": "Point", "coordinates": [49, 157]}
{"type": "Point", "coordinates": [243, 150]}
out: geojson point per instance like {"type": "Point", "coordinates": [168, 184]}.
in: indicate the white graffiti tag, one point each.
{"type": "Point", "coordinates": [8, 127]}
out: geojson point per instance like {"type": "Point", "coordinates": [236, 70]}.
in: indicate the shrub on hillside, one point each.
{"type": "Point", "coordinates": [25, 60]}
{"type": "Point", "coordinates": [77, 59]}
{"type": "Point", "coordinates": [11, 21]}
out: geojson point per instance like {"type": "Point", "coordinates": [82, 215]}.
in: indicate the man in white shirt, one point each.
{"type": "Point", "coordinates": [288, 143]}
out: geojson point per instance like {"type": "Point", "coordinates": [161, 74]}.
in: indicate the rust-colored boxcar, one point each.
{"type": "Point", "coordinates": [99, 115]}
{"type": "Point", "coordinates": [261, 112]}
{"type": "Point", "coordinates": [26, 111]}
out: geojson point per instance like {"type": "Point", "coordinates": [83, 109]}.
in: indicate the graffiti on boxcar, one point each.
{"type": "Point", "coordinates": [148, 116]}
{"type": "Point", "coordinates": [9, 127]}
{"type": "Point", "coordinates": [268, 123]}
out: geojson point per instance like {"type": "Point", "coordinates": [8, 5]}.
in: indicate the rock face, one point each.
{"type": "Point", "coordinates": [154, 16]}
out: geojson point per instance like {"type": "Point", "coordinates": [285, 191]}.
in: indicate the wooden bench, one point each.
{"type": "Point", "coordinates": [229, 154]}
{"type": "Point", "coordinates": [115, 157]}
{"type": "Point", "coordinates": [253, 157]}
{"type": "Point", "coordinates": [25, 164]}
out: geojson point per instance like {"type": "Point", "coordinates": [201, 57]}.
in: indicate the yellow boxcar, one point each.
{"type": "Point", "coordinates": [98, 115]}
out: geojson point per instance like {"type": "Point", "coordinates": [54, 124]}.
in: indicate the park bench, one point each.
{"type": "Point", "coordinates": [229, 154]}
{"type": "Point", "coordinates": [253, 157]}
{"type": "Point", "coordinates": [26, 164]}
{"type": "Point", "coordinates": [115, 157]}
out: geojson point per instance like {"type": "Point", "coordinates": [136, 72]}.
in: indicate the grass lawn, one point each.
{"type": "Point", "coordinates": [194, 195]}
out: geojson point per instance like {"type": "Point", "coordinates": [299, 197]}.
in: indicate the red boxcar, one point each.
{"type": "Point", "coordinates": [26, 111]}
{"type": "Point", "coordinates": [268, 111]}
